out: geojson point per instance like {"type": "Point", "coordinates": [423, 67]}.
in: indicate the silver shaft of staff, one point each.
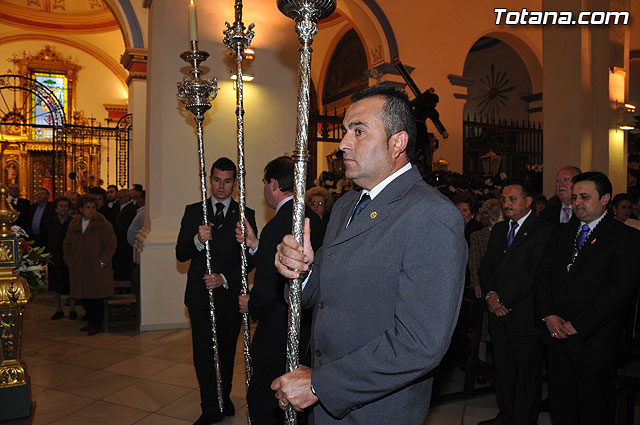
{"type": "Point", "coordinates": [237, 38]}
{"type": "Point", "coordinates": [306, 14]}
{"type": "Point", "coordinates": [196, 93]}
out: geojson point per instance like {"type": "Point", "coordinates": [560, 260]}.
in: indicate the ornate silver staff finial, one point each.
{"type": "Point", "coordinates": [306, 14]}
{"type": "Point", "coordinates": [237, 38]}
{"type": "Point", "coordinates": [197, 93]}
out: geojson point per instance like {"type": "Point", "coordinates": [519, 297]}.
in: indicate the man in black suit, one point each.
{"type": "Point", "coordinates": [225, 282]}
{"type": "Point", "coordinates": [123, 257]}
{"type": "Point", "coordinates": [586, 280]}
{"type": "Point", "coordinates": [559, 209]}
{"type": "Point", "coordinates": [266, 302]}
{"type": "Point", "coordinates": [39, 212]}
{"type": "Point", "coordinates": [19, 204]}
{"type": "Point", "coordinates": [507, 276]}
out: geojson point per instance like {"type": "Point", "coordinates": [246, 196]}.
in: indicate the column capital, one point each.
{"type": "Point", "coordinates": [135, 61]}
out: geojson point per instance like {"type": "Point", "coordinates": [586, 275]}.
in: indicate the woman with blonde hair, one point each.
{"type": "Point", "coordinates": [320, 201]}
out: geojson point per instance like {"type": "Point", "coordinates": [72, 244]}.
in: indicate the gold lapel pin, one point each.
{"type": "Point", "coordinates": [594, 241]}
{"type": "Point", "coordinates": [373, 214]}
{"type": "Point", "coordinates": [525, 233]}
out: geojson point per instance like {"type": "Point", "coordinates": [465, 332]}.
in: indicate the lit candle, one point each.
{"type": "Point", "coordinates": [193, 22]}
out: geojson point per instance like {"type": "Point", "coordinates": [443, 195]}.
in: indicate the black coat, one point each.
{"type": "Point", "coordinates": [123, 257]}
{"type": "Point", "coordinates": [53, 234]}
{"type": "Point", "coordinates": [551, 213]}
{"type": "Point", "coordinates": [267, 303]}
{"type": "Point", "coordinates": [594, 293]}
{"type": "Point", "coordinates": [225, 257]}
{"type": "Point", "coordinates": [22, 206]}
{"type": "Point", "coordinates": [510, 272]}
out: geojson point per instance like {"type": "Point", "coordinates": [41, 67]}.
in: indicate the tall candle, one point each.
{"type": "Point", "coordinates": [193, 22]}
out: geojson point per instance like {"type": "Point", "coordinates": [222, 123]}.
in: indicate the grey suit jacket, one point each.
{"type": "Point", "coordinates": [386, 293]}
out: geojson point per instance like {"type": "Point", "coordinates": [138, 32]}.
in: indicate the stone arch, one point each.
{"type": "Point", "coordinates": [373, 27]}
{"type": "Point", "coordinates": [127, 20]}
{"type": "Point", "coordinates": [528, 52]}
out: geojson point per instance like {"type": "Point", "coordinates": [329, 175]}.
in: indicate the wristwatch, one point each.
{"type": "Point", "coordinates": [486, 297]}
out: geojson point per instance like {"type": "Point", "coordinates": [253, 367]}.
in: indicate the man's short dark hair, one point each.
{"type": "Point", "coordinates": [280, 169]}
{"type": "Point", "coordinates": [599, 179]}
{"type": "Point", "coordinates": [60, 199]}
{"type": "Point", "coordinates": [112, 186]}
{"type": "Point", "coordinates": [137, 187]}
{"type": "Point", "coordinates": [396, 114]}
{"type": "Point", "coordinates": [224, 164]}
{"type": "Point", "coordinates": [527, 188]}
{"type": "Point", "coordinates": [143, 193]}
{"type": "Point", "coordinates": [43, 188]}
{"type": "Point", "coordinates": [98, 191]}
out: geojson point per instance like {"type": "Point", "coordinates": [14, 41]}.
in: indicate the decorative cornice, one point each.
{"type": "Point", "coordinates": [135, 60]}
{"type": "Point", "coordinates": [92, 21]}
{"type": "Point", "coordinates": [459, 80]}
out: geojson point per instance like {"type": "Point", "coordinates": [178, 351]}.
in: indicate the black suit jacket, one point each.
{"type": "Point", "coordinates": [595, 291]}
{"type": "Point", "coordinates": [22, 206]}
{"type": "Point", "coordinates": [551, 212]}
{"type": "Point", "coordinates": [510, 272]}
{"type": "Point", "coordinates": [225, 256]}
{"type": "Point", "coordinates": [49, 211]}
{"type": "Point", "coordinates": [267, 304]}
{"type": "Point", "coordinates": [123, 256]}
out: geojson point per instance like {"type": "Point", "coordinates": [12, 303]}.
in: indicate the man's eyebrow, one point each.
{"type": "Point", "coordinates": [355, 123]}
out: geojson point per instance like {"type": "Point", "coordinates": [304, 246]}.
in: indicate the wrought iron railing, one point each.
{"type": "Point", "coordinates": [519, 143]}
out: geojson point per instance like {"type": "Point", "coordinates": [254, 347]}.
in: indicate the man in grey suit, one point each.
{"type": "Point", "coordinates": [387, 283]}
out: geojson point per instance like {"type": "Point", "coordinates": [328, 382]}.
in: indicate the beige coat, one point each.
{"type": "Point", "coordinates": [83, 253]}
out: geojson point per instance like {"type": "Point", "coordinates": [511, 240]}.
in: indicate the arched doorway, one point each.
{"type": "Point", "coordinates": [499, 117]}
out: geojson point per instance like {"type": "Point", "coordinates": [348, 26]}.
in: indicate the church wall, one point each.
{"type": "Point", "coordinates": [172, 181]}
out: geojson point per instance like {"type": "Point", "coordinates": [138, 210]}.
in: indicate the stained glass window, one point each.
{"type": "Point", "coordinates": [41, 115]}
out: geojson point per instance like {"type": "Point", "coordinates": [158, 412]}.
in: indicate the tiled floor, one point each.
{"type": "Point", "coordinates": [147, 378]}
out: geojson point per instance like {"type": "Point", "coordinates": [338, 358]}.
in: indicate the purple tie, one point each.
{"type": "Point", "coordinates": [512, 233]}
{"type": "Point", "coordinates": [582, 237]}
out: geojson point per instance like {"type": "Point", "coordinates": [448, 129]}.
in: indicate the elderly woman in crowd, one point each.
{"type": "Point", "coordinates": [320, 201]}
{"type": "Point", "coordinates": [490, 214]}
{"type": "Point", "coordinates": [88, 249]}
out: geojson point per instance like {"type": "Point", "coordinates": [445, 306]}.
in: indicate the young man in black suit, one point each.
{"type": "Point", "coordinates": [123, 257]}
{"type": "Point", "coordinates": [266, 302]}
{"type": "Point", "coordinates": [19, 204]}
{"type": "Point", "coordinates": [507, 275]}
{"type": "Point", "coordinates": [223, 214]}
{"type": "Point", "coordinates": [586, 280]}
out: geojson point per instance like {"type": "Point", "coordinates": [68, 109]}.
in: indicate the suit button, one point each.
{"type": "Point", "coordinates": [321, 304]}
{"type": "Point", "coordinates": [318, 353]}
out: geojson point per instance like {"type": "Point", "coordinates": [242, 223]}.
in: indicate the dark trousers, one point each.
{"type": "Point", "coordinates": [581, 389]}
{"type": "Point", "coordinates": [94, 308]}
{"type": "Point", "coordinates": [263, 405]}
{"type": "Point", "coordinates": [227, 329]}
{"type": "Point", "coordinates": [518, 361]}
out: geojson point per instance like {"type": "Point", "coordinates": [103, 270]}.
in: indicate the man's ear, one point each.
{"type": "Point", "coordinates": [273, 184]}
{"type": "Point", "coordinates": [398, 143]}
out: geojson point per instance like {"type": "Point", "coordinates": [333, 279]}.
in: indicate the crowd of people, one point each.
{"type": "Point", "coordinates": [90, 237]}
{"type": "Point", "coordinates": [384, 270]}
{"type": "Point", "coordinates": [560, 288]}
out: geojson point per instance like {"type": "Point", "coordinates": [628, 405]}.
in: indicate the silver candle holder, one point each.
{"type": "Point", "coordinates": [306, 14]}
{"type": "Point", "coordinates": [197, 93]}
{"type": "Point", "coordinates": [237, 39]}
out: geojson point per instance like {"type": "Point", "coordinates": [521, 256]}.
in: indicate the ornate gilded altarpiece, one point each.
{"type": "Point", "coordinates": [44, 140]}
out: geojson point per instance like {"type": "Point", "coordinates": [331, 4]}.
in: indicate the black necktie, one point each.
{"type": "Point", "coordinates": [219, 217]}
{"type": "Point", "coordinates": [362, 203]}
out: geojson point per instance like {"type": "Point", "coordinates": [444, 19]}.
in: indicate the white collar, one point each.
{"type": "Point", "coordinates": [284, 201]}
{"type": "Point", "coordinates": [226, 202]}
{"type": "Point", "coordinates": [522, 219]}
{"type": "Point", "coordinates": [384, 183]}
